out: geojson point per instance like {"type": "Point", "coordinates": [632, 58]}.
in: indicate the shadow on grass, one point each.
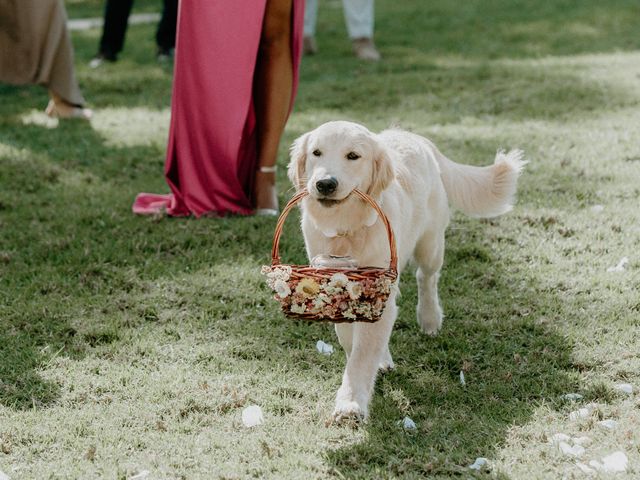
{"type": "Point", "coordinates": [447, 93]}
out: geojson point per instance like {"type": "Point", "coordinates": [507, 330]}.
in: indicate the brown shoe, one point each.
{"type": "Point", "coordinates": [364, 49]}
{"type": "Point", "coordinates": [309, 46]}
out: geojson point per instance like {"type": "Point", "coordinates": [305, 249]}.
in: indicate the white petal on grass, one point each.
{"type": "Point", "coordinates": [585, 469]}
{"type": "Point", "coordinates": [575, 451]}
{"type": "Point", "coordinates": [4, 476]}
{"type": "Point", "coordinates": [252, 416]}
{"type": "Point", "coordinates": [597, 208]}
{"type": "Point", "coordinates": [324, 348]}
{"type": "Point", "coordinates": [580, 413]}
{"type": "Point", "coordinates": [610, 424]}
{"type": "Point", "coordinates": [462, 381]}
{"type": "Point", "coordinates": [408, 424]}
{"type": "Point", "coordinates": [140, 476]}
{"type": "Point", "coordinates": [479, 463]}
{"type": "Point", "coordinates": [560, 437]}
{"type": "Point", "coordinates": [616, 462]}
{"type": "Point", "coordinates": [573, 397]}
{"type": "Point", "coordinates": [624, 388]}
{"type": "Point", "coordinates": [583, 441]}
{"type": "Point", "coordinates": [620, 266]}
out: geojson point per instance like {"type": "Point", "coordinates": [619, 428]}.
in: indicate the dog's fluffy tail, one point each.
{"type": "Point", "coordinates": [482, 191]}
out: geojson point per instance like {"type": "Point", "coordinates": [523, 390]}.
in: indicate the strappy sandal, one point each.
{"type": "Point", "coordinates": [54, 111]}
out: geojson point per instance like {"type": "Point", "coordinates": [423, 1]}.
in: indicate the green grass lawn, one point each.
{"type": "Point", "coordinates": [130, 344]}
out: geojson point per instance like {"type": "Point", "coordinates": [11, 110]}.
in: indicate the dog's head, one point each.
{"type": "Point", "coordinates": [336, 158]}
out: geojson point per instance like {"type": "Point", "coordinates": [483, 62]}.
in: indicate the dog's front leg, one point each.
{"type": "Point", "coordinates": [370, 344]}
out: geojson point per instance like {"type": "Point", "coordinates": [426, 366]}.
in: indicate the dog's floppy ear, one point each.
{"type": "Point", "coordinates": [297, 164]}
{"type": "Point", "coordinates": [382, 172]}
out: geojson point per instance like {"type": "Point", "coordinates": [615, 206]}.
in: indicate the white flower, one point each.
{"type": "Point", "coordinates": [338, 280]}
{"type": "Point", "coordinates": [354, 289]}
{"type": "Point", "coordinates": [295, 308]}
{"type": "Point", "coordinates": [319, 302]}
{"type": "Point", "coordinates": [308, 287]}
{"type": "Point", "coordinates": [349, 314]}
{"type": "Point", "coordinates": [281, 288]}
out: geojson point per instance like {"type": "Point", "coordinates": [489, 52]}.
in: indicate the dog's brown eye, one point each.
{"type": "Point", "coordinates": [353, 156]}
{"type": "Point", "coordinates": [317, 152]}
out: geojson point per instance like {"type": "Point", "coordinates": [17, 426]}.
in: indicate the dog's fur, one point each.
{"type": "Point", "coordinates": [414, 184]}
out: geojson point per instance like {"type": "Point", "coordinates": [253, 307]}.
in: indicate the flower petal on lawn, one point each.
{"type": "Point", "coordinates": [252, 416]}
{"type": "Point", "coordinates": [575, 451]}
{"type": "Point", "coordinates": [610, 424]}
{"type": "Point", "coordinates": [140, 476]}
{"type": "Point", "coordinates": [616, 462]}
{"type": "Point", "coordinates": [479, 463]}
{"type": "Point", "coordinates": [624, 388]}
{"type": "Point", "coordinates": [324, 348]}
{"type": "Point", "coordinates": [573, 397]}
{"type": "Point", "coordinates": [560, 437]}
{"type": "Point", "coordinates": [620, 266]}
{"type": "Point", "coordinates": [408, 424]}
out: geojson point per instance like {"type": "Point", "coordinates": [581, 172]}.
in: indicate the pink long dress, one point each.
{"type": "Point", "coordinates": [212, 150]}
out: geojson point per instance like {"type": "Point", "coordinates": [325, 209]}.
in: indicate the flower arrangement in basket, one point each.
{"type": "Point", "coordinates": [334, 293]}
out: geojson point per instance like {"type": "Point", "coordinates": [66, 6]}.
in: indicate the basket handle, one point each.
{"type": "Point", "coordinates": [275, 250]}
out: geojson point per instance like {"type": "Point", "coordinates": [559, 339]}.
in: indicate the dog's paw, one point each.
{"type": "Point", "coordinates": [386, 364]}
{"type": "Point", "coordinates": [430, 322]}
{"type": "Point", "coordinates": [348, 412]}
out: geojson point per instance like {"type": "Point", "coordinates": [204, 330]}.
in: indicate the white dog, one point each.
{"type": "Point", "coordinates": [414, 183]}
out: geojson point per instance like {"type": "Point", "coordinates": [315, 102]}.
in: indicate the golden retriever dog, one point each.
{"type": "Point", "coordinates": [413, 183]}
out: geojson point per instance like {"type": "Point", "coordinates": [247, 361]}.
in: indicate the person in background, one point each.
{"type": "Point", "coordinates": [116, 20]}
{"type": "Point", "coordinates": [35, 48]}
{"type": "Point", "coordinates": [235, 79]}
{"type": "Point", "coordinates": [359, 18]}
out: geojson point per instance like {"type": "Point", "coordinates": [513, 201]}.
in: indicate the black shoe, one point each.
{"type": "Point", "coordinates": [164, 55]}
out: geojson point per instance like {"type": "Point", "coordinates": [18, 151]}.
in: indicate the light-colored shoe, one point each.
{"type": "Point", "coordinates": [309, 46]}
{"type": "Point", "coordinates": [64, 111]}
{"type": "Point", "coordinates": [365, 49]}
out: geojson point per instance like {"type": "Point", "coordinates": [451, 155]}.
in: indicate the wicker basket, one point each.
{"type": "Point", "coordinates": [331, 294]}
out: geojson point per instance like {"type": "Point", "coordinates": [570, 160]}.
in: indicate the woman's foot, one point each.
{"type": "Point", "coordinates": [62, 109]}
{"type": "Point", "coordinates": [265, 191]}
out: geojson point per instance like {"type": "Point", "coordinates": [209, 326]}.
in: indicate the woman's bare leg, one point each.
{"type": "Point", "coordinates": [272, 90]}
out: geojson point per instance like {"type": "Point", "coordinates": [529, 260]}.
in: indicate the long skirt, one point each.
{"type": "Point", "coordinates": [35, 47]}
{"type": "Point", "coordinates": [212, 150]}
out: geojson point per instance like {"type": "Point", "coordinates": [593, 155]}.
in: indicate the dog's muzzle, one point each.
{"type": "Point", "coordinates": [327, 186]}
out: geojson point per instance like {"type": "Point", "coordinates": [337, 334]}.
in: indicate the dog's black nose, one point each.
{"type": "Point", "coordinates": [327, 186]}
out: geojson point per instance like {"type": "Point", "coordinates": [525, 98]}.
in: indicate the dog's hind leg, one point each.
{"type": "Point", "coordinates": [429, 255]}
{"type": "Point", "coordinates": [370, 342]}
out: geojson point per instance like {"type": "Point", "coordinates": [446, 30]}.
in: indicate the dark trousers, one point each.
{"type": "Point", "coordinates": [116, 19]}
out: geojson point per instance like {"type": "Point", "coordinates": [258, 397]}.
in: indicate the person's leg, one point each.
{"type": "Point", "coordinates": [359, 17]}
{"type": "Point", "coordinates": [166, 32]}
{"type": "Point", "coordinates": [116, 19]}
{"type": "Point", "coordinates": [272, 89]}
{"type": "Point", "coordinates": [309, 46]}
